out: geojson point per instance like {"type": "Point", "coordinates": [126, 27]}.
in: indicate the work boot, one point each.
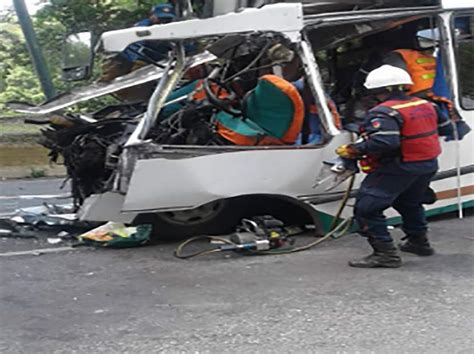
{"type": "Point", "coordinates": [385, 255]}
{"type": "Point", "coordinates": [417, 244]}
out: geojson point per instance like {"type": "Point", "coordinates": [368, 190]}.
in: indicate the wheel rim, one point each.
{"type": "Point", "coordinates": [194, 216]}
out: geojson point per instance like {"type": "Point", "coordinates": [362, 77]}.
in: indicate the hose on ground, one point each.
{"type": "Point", "coordinates": [337, 229]}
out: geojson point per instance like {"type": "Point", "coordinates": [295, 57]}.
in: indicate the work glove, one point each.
{"type": "Point", "coordinates": [347, 151]}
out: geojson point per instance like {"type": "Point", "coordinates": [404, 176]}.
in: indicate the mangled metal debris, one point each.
{"type": "Point", "coordinates": [46, 215]}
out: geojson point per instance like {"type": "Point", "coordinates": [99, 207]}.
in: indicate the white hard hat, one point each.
{"type": "Point", "coordinates": [428, 38]}
{"type": "Point", "coordinates": [385, 76]}
{"type": "Point", "coordinates": [431, 34]}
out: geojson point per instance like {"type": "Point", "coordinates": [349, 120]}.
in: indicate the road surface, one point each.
{"type": "Point", "coordinates": [13, 193]}
{"type": "Point", "coordinates": [146, 301]}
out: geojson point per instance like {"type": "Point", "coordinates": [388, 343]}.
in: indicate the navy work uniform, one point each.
{"type": "Point", "coordinates": [401, 142]}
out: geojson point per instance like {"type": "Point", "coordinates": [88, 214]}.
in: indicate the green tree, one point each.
{"type": "Point", "coordinates": [17, 77]}
{"type": "Point", "coordinates": [52, 23]}
{"type": "Point", "coordinates": [94, 15]}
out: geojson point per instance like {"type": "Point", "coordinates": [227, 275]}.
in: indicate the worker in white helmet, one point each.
{"type": "Point", "coordinates": [398, 150]}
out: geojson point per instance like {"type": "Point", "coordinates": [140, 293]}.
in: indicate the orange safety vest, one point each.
{"type": "Point", "coordinates": [422, 69]}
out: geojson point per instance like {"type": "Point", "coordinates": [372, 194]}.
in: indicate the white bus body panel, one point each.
{"type": "Point", "coordinates": [160, 184]}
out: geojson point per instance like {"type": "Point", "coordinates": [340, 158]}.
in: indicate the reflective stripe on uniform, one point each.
{"type": "Point", "coordinates": [426, 60]}
{"type": "Point", "coordinates": [409, 104]}
{"type": "Point", "coordinates": [388, 132]}
{"type": "Point", "coordinates": [448, 122]}
{"type": "Point", "coordinates": [428, 76]}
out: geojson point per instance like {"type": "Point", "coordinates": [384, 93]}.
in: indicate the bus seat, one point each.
{"type": "Point", "coordinates": [184, 90]}
{"type": "Point", "coordinates": [273, 115]}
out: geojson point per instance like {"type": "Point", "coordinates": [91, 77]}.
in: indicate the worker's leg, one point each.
{"type": "Point", "coordinates": [409, 205]}
{"type": "Point", "coordinates": [368, 212]}
{"type": "Point", "coordinates": [114, 67]}
{"type": "Point", "coordinates": [137, 93]}
{"type": "Point", "coordinates": [376, 194]}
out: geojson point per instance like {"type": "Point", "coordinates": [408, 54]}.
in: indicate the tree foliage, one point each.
{"type": "Point", "coordinates": [94, 15]}
{"type": "Point", "coordinates": [52, 23]}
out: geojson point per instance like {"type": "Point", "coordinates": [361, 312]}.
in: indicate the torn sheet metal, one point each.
{"type": "Point", "coordinates": [283, 18]}
{"type": "Point", "coordinates": [98, 89]}
{"type": "Point", "coordinates": [105, 207]}
{"type": "Point", "coordinates": [160, 184]}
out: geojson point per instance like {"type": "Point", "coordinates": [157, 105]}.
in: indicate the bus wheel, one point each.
{"type": "Point", "coordinates": [215, 218]}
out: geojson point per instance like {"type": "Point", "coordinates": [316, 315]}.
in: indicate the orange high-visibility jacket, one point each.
{"type": "Point", "coordinates": [421, 67]}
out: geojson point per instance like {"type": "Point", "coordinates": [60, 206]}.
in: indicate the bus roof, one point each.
{"type": "Point", "coordinates": [327, 6]}
{"type": "Point", "coordinates": [457, 4]}
{"type": "Point", "coordinates": [288, 17]}
{"type": "Point", "coordinates": [319, 6]}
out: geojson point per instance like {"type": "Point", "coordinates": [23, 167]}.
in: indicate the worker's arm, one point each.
{"type": "Point", "coordinates": [382, 134]}
{"type": "Point", "coordinates": [445, 128]}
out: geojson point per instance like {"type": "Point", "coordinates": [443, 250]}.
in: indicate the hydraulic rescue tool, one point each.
{"type": "Point", "coordinates": [254, 235]}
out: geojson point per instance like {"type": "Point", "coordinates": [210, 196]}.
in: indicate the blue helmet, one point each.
{"type": "Point", "coordinates": [164, 11]}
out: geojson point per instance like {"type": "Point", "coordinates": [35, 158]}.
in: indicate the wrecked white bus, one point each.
{"type": "Point", "coordinates": [205, 150]}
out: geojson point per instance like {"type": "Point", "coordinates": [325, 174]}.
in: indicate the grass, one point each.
{"type": "Point", "coordinates": [18, 133]}
{"type": "Point", "coordinates": [4, 113]}
{"type": "Point", "coordinates": [17, 128]}
{"type": "Point", "coordinates": [37, 173]}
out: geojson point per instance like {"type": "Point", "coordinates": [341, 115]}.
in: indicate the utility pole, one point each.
{"type": "Point", "coordinates": [34, 49]}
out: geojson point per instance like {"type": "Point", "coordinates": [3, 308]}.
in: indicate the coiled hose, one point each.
{"type": "Point", "coordinates": [337, 229]}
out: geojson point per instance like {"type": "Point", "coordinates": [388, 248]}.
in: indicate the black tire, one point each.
{"type": "Point", "coordinates": [221, 217]}
{"type": "Point", "coordinates": [224, 216]}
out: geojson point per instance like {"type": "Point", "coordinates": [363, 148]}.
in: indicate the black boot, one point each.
{"type": "Point", "coordinates": [385, 255]}
{"type": "Point", "coordinates": [417, 244]}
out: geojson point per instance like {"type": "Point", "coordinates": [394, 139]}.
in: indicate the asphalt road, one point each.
{"type": "Point", "coordinates": [145, 300]}
{"type": "Point", "coordinates": [13, 193]}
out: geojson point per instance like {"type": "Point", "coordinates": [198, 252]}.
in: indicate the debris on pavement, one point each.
{"type": "Point", "coordinates": [46, 215]}
{"type": "Point", "coordinates": [117, 235]}
{"type": "Point", "coordinates": [42, 220]}
{"type": "Point", "coordinates": [9, 229]}
{"type": "Point", "coordinates": [64, 235]}
{"type": "Point", "coordinates": [50, 216]}
{"type": "Point", "coordinates": [51, 223]}
{"type": "Point", "coordinates": [54, 240]}
{"type": "Point", "coordinates": [5, 232]}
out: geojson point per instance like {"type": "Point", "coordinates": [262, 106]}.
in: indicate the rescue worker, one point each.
{"type": "Point", "coordinates": [419, 63]}
{"type": "Point", "coordinates": [399, 151]}
{"type": "Point", "coordinates": [427, 73]}
{"type": "Point", "coordinates": [135, 56]}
